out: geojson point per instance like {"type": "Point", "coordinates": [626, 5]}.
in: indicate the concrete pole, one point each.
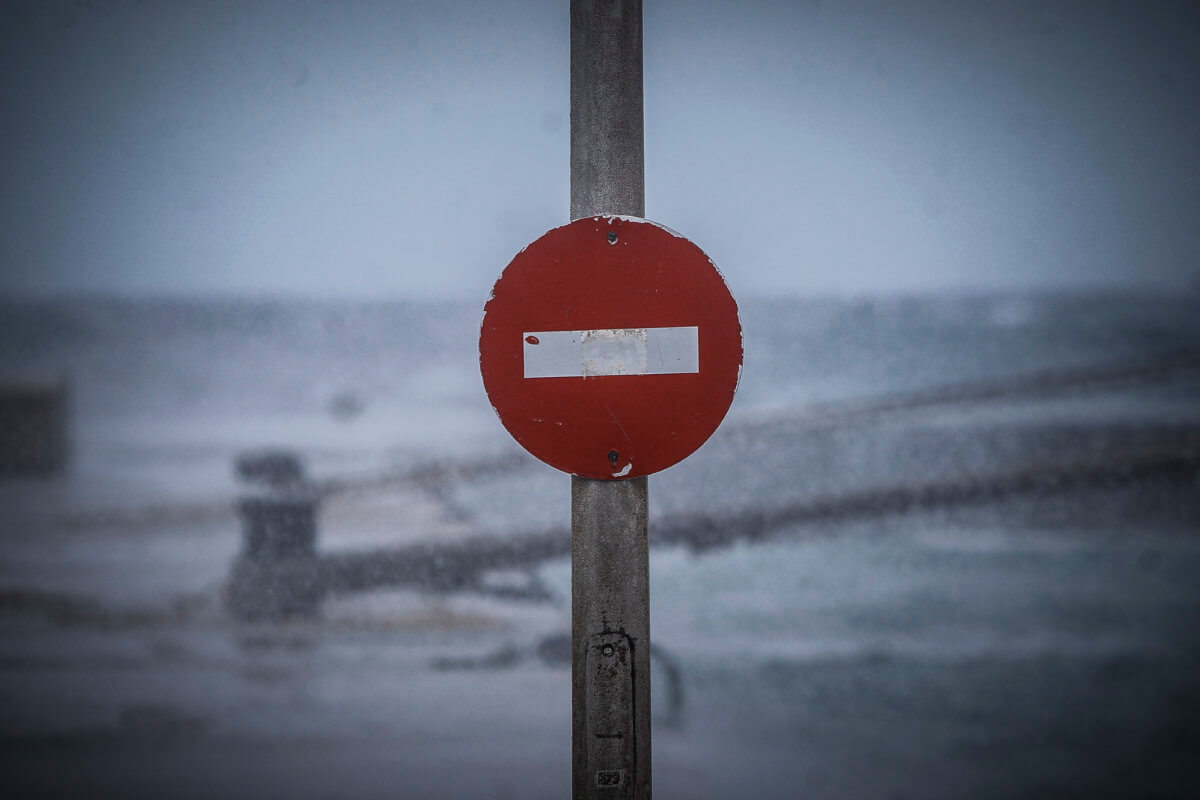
{"type": "Point", "coordinates": [610, 574]}
{"type": "Point", "coordinates": [607, 148]}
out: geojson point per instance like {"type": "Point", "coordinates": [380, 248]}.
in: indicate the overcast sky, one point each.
{"type": "Point", "coordinates": [411, 149]}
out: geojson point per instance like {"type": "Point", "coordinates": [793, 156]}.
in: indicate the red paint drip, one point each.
{"type": "Point", "coordinates": [531, 340]}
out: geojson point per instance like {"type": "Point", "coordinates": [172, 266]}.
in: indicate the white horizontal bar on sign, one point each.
{"type": "Point", "coordinates": [611, 351]}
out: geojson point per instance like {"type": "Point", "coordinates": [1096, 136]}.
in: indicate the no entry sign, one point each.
{"type": "Point", "coordinates": [611, 347]}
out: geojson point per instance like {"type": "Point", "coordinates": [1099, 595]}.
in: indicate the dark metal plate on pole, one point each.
{"type": "Point", "coordinates": [611, 734]}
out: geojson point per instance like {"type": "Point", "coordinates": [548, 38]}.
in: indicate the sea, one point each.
{"type": "Point", "coordinates": [973, 568]}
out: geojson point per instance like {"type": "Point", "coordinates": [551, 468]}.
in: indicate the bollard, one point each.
{"type": "Point", "coordinates": [276, 573]}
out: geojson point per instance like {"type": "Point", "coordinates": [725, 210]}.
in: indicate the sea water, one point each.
{"type": "Point", "coordinates": [1029, 644]}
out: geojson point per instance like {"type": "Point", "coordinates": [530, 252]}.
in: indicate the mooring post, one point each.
{"type": "Point", "coordinates": [610, 585]}
{"type": "Point", "coordinates": [276, 573]}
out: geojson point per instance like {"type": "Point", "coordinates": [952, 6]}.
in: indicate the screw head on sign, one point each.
{"type": "Point", "coordinates": [612, 237]}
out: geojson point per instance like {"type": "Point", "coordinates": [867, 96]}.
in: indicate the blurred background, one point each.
{"type": "Point", "coordinates": [262, 533]}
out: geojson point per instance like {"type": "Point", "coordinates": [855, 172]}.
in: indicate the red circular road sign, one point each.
{"type": "Point", "coordinates": [611, 347]}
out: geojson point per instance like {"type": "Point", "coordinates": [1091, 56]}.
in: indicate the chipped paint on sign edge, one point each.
{"type": "Point", "coordinates": [630, 218]}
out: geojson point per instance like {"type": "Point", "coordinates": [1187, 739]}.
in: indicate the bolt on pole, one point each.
{"type": "Point", "coordinates": [610, 574]}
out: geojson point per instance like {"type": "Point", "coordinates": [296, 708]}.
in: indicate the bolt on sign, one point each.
{"type": "Point", "coordinates": [611, 347]}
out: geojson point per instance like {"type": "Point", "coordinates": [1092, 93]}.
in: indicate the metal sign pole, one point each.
{"type": "Point", "coordinates": [610, 575]}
